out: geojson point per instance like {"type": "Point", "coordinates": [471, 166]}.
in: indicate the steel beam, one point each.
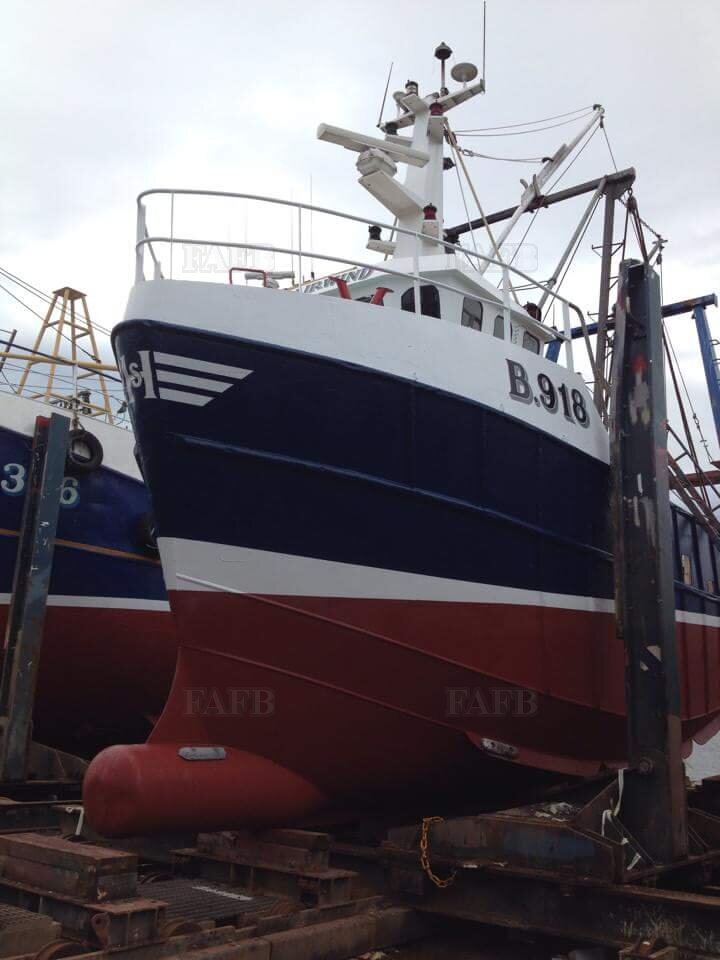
{"type": "Point", "coordinates": [710, 362]}
{"type": "Point", "coordinates": [612, 915]}
{"type": "Point", "coordinates": [654, 806]}
{"type": "Point", "coordinates": [26, 618]}
{"type": "Point", "coordinates": [668, 310]}
{"type": "Point", "coordinates": [624, 179]}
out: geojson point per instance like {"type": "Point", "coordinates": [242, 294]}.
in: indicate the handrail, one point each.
{"type": "Point", "coordinates": [378, 268]}
{"type": "Point", "coordinates": [163, 191]}
{"type": "Point", "coordinates": [143, 239]}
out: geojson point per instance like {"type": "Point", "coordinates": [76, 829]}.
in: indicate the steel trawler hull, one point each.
{"type": "Point", "coordinates": [387, 570]}
{"type": "Point", "coordinates": [108, 646]}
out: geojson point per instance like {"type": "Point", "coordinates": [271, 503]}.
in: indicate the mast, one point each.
{"type": "Point", "coordinates": [69, 317]}
{"type": "Point", "coordinates": [417, 202]}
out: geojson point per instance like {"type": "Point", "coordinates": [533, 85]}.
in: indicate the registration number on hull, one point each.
{"type": "Point", "coordinates": [544, 393]}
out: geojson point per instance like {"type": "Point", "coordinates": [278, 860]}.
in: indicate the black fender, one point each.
{"type": "Point", "coordinates": [85, 452]}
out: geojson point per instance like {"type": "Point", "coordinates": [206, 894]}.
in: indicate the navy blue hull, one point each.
{"type": "Point", "coordinates": [287, 485]}
{"type": "Point", "coordinates": [328, 460]}
{"type": "Point", "coordinates": [108, 646]}
{"type": "Point", "coordinates": [102, 510]}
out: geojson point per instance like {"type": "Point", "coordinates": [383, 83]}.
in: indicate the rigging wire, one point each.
{"type": "Point", "coordinates": [41, 295]}
{"type": "Point", "coordinates": [486, 156]}
{"type": "Point", "coordinates": [92, 356]}
{"type": "Point", "coordinates": [574, 159]}
{"type": "Point", "coordinates": [452, 140]}
{"type": "Point", "coordinates": [523, 133]}
{"type": "Point", "coordinates": [41, 317]}
{"type": "Point", "coordinates": [607, 140]}
{"type": "Point", "coordinates": [669, 343]}
{"type": "Point", "coordinates": [577, 247]}
{"type": "Point", "coordinates": [530, 123]}
{"type": "Point", "coordinates": [473, 263]}
{"type": "Point", "coordinates": [657, 235]}
{"type": "Point", "coordinates": [25, 283]}
{"type": "Point", "coordinates": [534, 216]}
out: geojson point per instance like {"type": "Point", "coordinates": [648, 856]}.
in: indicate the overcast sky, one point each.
{"type": "Point", "coordinates": [102, 100]}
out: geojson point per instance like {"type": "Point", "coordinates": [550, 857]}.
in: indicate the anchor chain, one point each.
{"type": "Point", "coordinates": [425, 857]}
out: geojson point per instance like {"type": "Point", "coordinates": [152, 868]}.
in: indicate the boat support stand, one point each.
{"type": "Point", "coordinates": [21, 759]}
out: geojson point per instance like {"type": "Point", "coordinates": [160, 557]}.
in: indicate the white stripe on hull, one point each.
{"type": "Point", "coordinates": [193, 565]}
{"type": "Point", "coordinates": [18, 414]}
{"type": "Point", "coordinates": [110, 603]}
{"type": "Point", "coordinates": [697, 619]}
{"type": "Point", "coordinates": [196, 565]}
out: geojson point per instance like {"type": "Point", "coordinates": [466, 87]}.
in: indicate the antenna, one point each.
{"type": "Point", "coordinates": [387, 87]}
{"type": "Point", "coordinates": [484, 15]}
{"type": "Point", "coordinates": [442, 52]}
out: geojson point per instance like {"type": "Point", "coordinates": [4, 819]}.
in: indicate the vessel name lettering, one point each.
{"type": "Point", "coordinates": [350, 276]}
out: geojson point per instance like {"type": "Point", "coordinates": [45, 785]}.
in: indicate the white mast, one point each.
{"type": "Point", "coordinates": [423, 154]}
{"type": "Point", "coordinates": [417, 202]}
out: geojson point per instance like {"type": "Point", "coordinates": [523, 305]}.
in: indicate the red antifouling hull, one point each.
{"type": "Point", "coordinates": [150, 788]}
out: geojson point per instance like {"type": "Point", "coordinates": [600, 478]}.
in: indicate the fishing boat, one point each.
{"type": "Point", "coordinates": [382, 505]}
{"type": "Point", "coordinates": [108, 644]}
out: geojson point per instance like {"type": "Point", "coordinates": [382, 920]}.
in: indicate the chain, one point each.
{"type": "Point", "coordinates": [425, 857]}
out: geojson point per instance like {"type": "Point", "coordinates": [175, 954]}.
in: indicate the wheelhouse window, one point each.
{"type": "Point", "coordinates": [530, 342]}
{"type": "Point", "coordinates": [687, 558]}
{"type": "Point", "coordinates": [472, 314]}
{"type": "Point", "coordinates": [429, 300]}
{"type": "Point", "coordinates": [499, 327]}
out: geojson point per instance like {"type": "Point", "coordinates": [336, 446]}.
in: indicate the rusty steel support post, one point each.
{"type": "Point", "coordinates": [654, 806]}
{"type": "Point", "coordinates": [26, 617]}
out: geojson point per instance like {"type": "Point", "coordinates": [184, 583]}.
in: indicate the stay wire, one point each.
{"type": "Point", "coordinates": [42, 295]}
{"type": "Point", "coordinates": [695, 417]}
{"type": "Point", "coordinates": [523, 133]}
{"type": "Point", "coordinates": [607, 141]}
{"type": "Point", "coordinates": [92, 357]}
{"type": "Point", "coordinates": [41, 317]}
{"type": "Point", "coordinates": [552, 187]}
{"type": "Point", "coordinates": [530, 123]}
{"type": "Point", "coordinates": [487, 156]}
